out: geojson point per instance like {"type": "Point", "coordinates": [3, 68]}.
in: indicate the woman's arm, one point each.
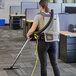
{"type": "Point", "coordinates": [32, 29]}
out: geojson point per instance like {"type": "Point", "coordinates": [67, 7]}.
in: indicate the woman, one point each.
{"type": "Point", "coordinates": [45, 47]}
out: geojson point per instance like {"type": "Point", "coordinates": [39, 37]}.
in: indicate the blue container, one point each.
{"type": "Point", "coordinates": [2, 22]}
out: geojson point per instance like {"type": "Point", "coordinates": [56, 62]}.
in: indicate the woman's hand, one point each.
{"type": "Point", "coordinates": [28, 36]}
{"type": "Point", "coordinates": [32, 29]}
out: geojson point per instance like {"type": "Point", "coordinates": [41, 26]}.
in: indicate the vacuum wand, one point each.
{"type": "Point", "coordinates": [12, 67]}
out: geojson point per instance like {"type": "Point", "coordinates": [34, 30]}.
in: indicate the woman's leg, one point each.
{"type": "Point", "coordinates": [43, 58]}
{"type": "Point", "coordinates": [53, 55]}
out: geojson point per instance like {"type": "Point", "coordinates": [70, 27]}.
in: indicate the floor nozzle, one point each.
{"type": "Point", "coordinates": [10, 68]}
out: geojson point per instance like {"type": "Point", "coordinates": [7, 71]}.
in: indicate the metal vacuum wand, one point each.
{"type": "Point", "coordinates": [22, 49]}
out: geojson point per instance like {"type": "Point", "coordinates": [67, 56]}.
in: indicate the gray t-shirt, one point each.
{"type": "Point", "coordinates": [39, 21]}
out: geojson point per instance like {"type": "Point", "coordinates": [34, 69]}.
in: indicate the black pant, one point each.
{"type": "Point", "coordinates": [52, 49]}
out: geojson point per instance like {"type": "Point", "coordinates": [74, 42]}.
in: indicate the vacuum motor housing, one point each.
{"type": "Point", "coordinates": [51, 33]}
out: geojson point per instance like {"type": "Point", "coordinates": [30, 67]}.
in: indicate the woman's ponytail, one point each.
{"type": "Point", "coordinates": [46, 9]}
{"type": "Point", "coordinates": [44, 4]}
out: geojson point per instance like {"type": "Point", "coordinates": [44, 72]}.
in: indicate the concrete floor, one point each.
{"type": "Point", "coordinates": [11, 42]}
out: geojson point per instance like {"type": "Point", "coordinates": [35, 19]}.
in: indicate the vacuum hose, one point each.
{"type": "Point", "coordinates": [50, 20]}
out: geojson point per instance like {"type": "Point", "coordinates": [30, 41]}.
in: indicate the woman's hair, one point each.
{"type": "Point", "coordinates": [44, 4]}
